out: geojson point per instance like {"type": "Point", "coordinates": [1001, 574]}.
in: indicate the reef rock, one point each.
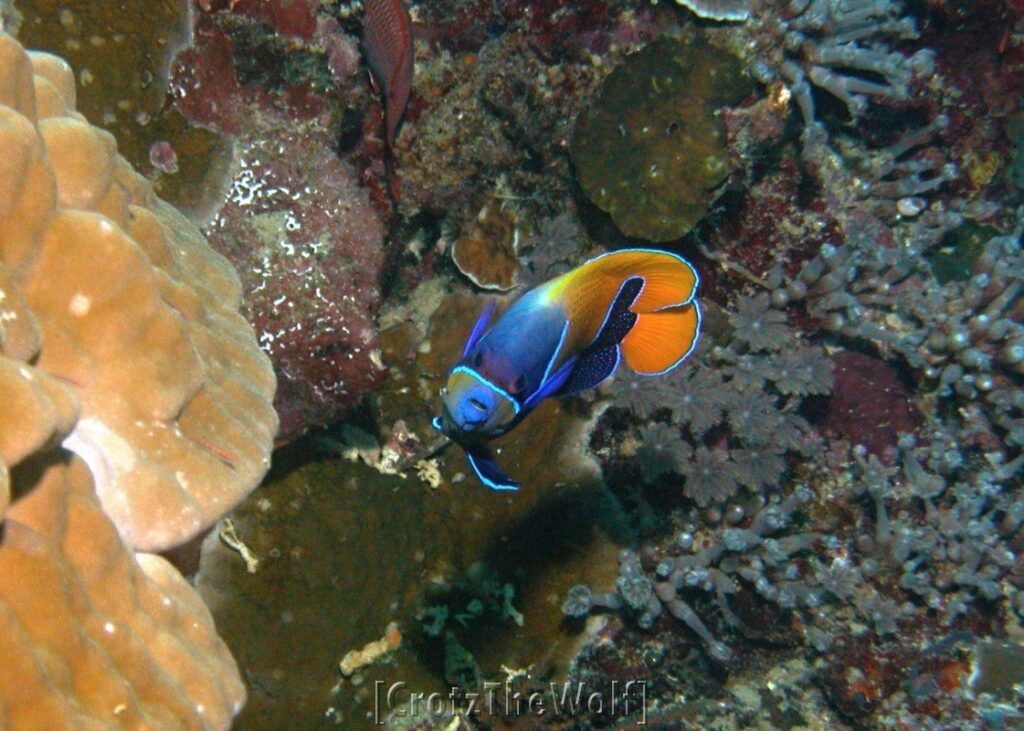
{"type": "Point", "coordinates": [651, 151]}
{"type": "Point", "coordinates": [302, 231]}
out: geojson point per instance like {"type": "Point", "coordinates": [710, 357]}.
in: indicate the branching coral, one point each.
{"type": "Point", "coordinates": [895, 180]}
{"type": "Point", "coordinates": [836, 46]}
{"type": "Point", "coordinates": [669, 581]}
{"type": "Point", "coordinates": [965, 337]}
{"type": "Point", "coordinates": [119, 334]}
{"type": "Point", "coordinates": [958, 548]}
{"type": "Point", "coordinates": [940, 521]}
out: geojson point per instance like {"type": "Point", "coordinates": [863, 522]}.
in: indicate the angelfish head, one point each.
{"type": "Point", "coordinates": [473, 408]}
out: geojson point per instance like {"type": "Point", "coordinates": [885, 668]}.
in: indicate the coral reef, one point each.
{"type": "Point", "coordinates": [752, 554]}
{"type": "Point", "coordinates": [815, 523]}
{"type": "Point", "coordinates": [964, 337]}
{"type": "Point", "coordinates": [138, 315]}
{"type": "Point", "coordinates": [718, 9]}
{"type": "Point", "coordinates": [650, 150]}
{"type": "Point", "coordinates": [733, 413]}
{"type": "Point", "coordinates": [122, 56]}
{"type": "Point", "coordinates": [136, 411]}
{"type": "Point", "coordinates": [953, 553]}
{"type": "Point", "coordinates": [296, 222]}
{"type": "Point", "coordinates": [487, 252]}
{"type": "Point", "coordinates": [434, 548]}
{"type": "Point", "coordinates": [125, 638]}
{"type": "Point", "coordinates": [836, 46]}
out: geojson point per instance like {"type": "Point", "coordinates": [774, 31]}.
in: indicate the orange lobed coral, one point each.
{"type": "Point", "coordinates": [120, 341]}
{"type": "Point", "coordinates": [93, 637]}
{"type": "Point", "coordinates": [135, 312]}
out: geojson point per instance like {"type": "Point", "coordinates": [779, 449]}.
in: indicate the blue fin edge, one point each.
{"type": "Point", "coordinates": [478, 329]}
{"type": "Point", "coordinates": [551, 385]}
{"type": "Point", "coordinates": [481, 459]}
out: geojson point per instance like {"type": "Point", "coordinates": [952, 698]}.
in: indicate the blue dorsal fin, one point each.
{"type": "Point", "coordinates": [591, 369]}
{"type": "Point", "coordinates": [481, 459]}
{"type": "Point", "coordinates": [478, 329]}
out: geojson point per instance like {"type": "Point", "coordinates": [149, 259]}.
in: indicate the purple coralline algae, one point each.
{"type": "Point", "coordinates": [296, 220]}
{"type": "Point", "coordinates": [311, 245]}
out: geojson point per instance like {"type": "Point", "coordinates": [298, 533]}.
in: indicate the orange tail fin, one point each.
{"type": "Point", "coordinates": [669, 319]}
{"type": "Point", "coordinates": [659, 340]}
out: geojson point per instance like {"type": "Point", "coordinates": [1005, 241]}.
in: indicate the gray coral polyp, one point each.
{"type": "Point", "coordinates": [957, 550]}
{"type": "Point", "coordinates": [751, 555]}
{"type": "Point", "coordinates": [837, 46]}
{"type": "Point", "coordinates": [966, 338]}
{"type": "Point", "coordinates": [736, 404]}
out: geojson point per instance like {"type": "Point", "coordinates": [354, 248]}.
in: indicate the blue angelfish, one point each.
{"type": "Point", "coordinates": [564, 336]}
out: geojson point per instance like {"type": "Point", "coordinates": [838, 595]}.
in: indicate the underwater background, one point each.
{"type": "Point", "coordinates": [234, 275]}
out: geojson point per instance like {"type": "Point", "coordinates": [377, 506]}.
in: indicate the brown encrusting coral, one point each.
{"type": "Point", "coordinates": [486, 253]}
{"type": "Point", "coordinates": [135, 411]}
{"type": "Point", "coordinates": [651, 149]}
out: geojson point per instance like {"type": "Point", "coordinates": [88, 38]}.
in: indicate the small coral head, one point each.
{"type": "Point", "coordinates": [473, 408]}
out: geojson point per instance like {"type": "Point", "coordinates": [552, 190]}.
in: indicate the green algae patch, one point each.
{"type": "Point", "coordinates": [651, 149]}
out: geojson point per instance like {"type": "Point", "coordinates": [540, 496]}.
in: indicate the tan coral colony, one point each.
{"type": "Point", "coordinates": [135, 410]}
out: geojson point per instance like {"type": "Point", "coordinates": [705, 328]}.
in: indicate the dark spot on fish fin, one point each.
{"type": "Point", "coordinates": [481, 459]}
{"type": "Point", "coordinates": [593, 367]}
{"type": "Point", "coordinates": [620, 320]}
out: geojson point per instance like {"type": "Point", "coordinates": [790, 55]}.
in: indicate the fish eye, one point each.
{"type": "Point", "coordinates": [479, 358]}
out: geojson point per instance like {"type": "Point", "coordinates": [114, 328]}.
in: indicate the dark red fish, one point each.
{"type": "Point", "coordinates": [387, 44]}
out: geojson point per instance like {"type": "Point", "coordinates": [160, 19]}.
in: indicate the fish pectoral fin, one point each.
{"type": "Point", "coordinates": [593, 367]}
{"type": "Point", "coordinates": [481, 459]}
{"type": "Point", "coordinates": [551, 386]}
{"type": "Point", "coordinates": [478, 329]}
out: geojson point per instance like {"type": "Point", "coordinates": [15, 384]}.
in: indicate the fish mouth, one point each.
{"type": "Point", "coordinates": [466, 435]}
